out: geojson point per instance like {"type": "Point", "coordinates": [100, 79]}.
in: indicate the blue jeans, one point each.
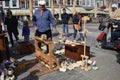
{"type": "Point", "coordinates": [65, 29]}
{"type": "Point", "coordinates": [81, 38]}
{"type": "Point", "coordinates": [11, 33]}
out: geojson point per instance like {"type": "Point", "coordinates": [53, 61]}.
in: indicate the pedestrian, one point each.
{"type": "Point", "coordinates": [77, 26]}
{"type": "Point", "coordinates": [114, 11]}
{"type": "Point", "coordinates": [115, 31]}
{"type": "Point", "coordinates": [26, 31]}
{"type": "Point", "coordinates": [12, 23]}
{"type": "Point", "coordinates": [42, 19]}
{"type": "Point", "coordinates": [65, 18]}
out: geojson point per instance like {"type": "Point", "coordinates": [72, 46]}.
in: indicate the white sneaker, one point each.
{"type": "Point", "coordinates": [74, 40]}
{"type": "Point", "coordinates": [10, 45]}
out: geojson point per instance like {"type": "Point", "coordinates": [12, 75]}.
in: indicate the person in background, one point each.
{"type": "Point", "coordinates": [114, 10]}
{"type": "Point", "coordinates": [26, 31]}
{"type": "Point", "coordinates": [42, 19]}
{"type": "Point", "coordinates": [115, 31]}
{"type": "Point", "coordinates": [77, 20]}
{"type": "Point", "coordinates": [12, 24]}
{"type": "Point", "coordinates": [65, 18]}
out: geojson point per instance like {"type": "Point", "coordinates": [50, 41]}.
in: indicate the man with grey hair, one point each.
{"type": "Point", "coordinates": [42, 19]}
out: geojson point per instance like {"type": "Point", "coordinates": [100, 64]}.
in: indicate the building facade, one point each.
{"type": "Point", "coordinates": [21, 7]}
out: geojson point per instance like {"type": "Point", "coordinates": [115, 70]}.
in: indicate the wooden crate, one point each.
{"type": "Point", "coordinates": [75, 52]}
{"type": "Point", "coordinates": [25, 47]}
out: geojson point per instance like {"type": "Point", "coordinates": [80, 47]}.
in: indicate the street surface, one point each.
{"type": "Point", "coordinates": [109, 68]}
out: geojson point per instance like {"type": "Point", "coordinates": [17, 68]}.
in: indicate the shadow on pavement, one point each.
{"type": "Point", "coordinates": [14, 52]}
{"type": "Point", "coordinates": [28, 65]}
{"type": "Point", "coordinates": [92, 54]}
{"type": "Point", "coordinates": [30, 78]}
{"type": "Point", "coordinates": [56, 34]}
{"type": "Point", "coordinates": [118, 57]}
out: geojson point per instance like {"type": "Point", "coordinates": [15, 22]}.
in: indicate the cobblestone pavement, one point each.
{"type": "Point", "coordinates": [109, 68]}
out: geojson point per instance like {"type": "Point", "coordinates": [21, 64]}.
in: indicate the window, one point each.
{"type": "Point", "coordinates": [54, 1]}
{"type": "Point", "coordinates": [27, 4]}
{"type": "Point", "coordinates": [87, 2]}
{"type": "Point", "coordinates": [118, 5]}
{"type": "Point", "coordinates": [47, 2]}
{"type": "Point", "coordinates": [72, 2]}
{"type": "Point", "coordinates": [77, 2]}
{"type": "Point", "coordinates": [61, 1]}
{"type": "Point", "coordinates": [68, 2]}
{"type": "Point", "coordinates": [6, 3]}
{"type": "Point", "coordinates": [92, 2]}
{"type": "Point", "coordinates": [14, 3]}
{"type": "Point", "coordinates": [35, 2]}
{"type": "Point", "coordinates": [22, 4]}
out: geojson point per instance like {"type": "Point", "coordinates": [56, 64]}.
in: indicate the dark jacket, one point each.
{"type": "Point", "coordinates": [11, 23]}
{"type": "Point", "coordinates": [75, 19]}
{"type": "Point", "coordinates": [25, 31]}
{"type": "Point", "coordinates": [65, 18]}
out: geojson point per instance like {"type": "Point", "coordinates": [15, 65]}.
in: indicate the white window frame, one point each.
{"type": "Point", "coordinates": [11, 4]}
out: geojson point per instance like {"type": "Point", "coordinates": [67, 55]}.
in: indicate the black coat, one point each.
{"type": "Point", "coordinates": [65, 18]}
{"type": "Point", "coordinates": [75, 19]}
{"type": "Point", "coordinates": [11, 23]}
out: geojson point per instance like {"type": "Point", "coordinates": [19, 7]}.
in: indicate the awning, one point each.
{"type": "Point", "coordinates": [98, 12]}
{"type": "Point", "coordinates": [21, 12]}
{"type": "Point", "coordinates": [82, 10]}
